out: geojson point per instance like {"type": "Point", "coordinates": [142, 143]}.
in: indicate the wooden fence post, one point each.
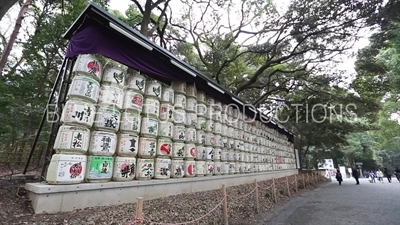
{"type": "Point", "coordinates": [304, 181]}
{"type": "Point", "coordinates": [295, 183]}
{"type": "Point", "coordinates": [225, 205]}
{"type": "Point", "coordinates": [139, 210]}
{"type": "Point", "coordinates": [308, 180]}
{"type": "Point", "coordinates": [274, 191]}
{"type": "Point", "coordinates": [287, 186]}
{"type": "Point", "coordinates": [256, 197]}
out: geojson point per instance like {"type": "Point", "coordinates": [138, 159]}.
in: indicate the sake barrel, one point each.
{"type": "Point", "coordinates": [149, 127]}
{"type": "Point", "coordinates": [190, 135]}
{"type": "Point", "coordinates": [179, 87]}
{"type": "Point", "coordinates": [124, 168]}
{"type": "Point", "coordinates": [179, 133]}
{"type": "Point", "coordinates": [238, 155]}
{"type": "Point", "coordinates": [217, 168]}
{"type": "Point", "coordinates": [66, 169]}
{"type": "Point", "coordinates": [190, 168]}
{"type": "Point", "coordinates": [83, 87]}
{"type": "Point", "coordinates": [130, 122]}
{"type": "Point", "coordinates": [200, 168]}
{"type": "Point", "coordinates": [232, 168]}
{"type": "Point", "coordinates": [224, 141]}
{"type": "Point", "coordinates": [242, 167]}
{"type": "Point", "coordinates": [190, 151]}
{"type": "Point", "coordinates": [210, 168]}
{"type": "Point", "coordinates": [162, 168]}
{"type": "Point", "coordinates": [216, 115]}
{"type": "Point", "coordinates": [72, 139]}
{"type": "Point", "coordinates": [78, 112]}
{"type": "Point", "coordinates": [191, 90]}
{"type": "Point", "coordinates": [240, 124]}
{"type": "Point", "coordinates": [166, 129]}
{"type": "Point", "coordinates": [166, 112]}
{"type": "Point", "coordinates": [168, 95]}
{"type": "Point", "coordinates": [114, 74]}
{"type": "Point", "coordinates": [224, 130]}
{"type": "Point", "coordinates": [153, 89]}
{"type": "Point", "coordinates": [191, 104]}
{"type": "Point", "coordinates": [225, 168]}
{"type": "Point", "coordinates": [136, 82]}
{"type": "Point", "coordinates": [210, 101]}
{"type": "Point", "coordinates": [210, 139]}
{"type": "Point", "coordinates": [133, 101]}
{"type": "Point", "coordinates": [236, 133]}
{"type": "Point", "coordinates": [237, 144]}
{"type": "Point", "coordinates": [177, 168]}
{"type": "Point", "coordinates": [231, 155]}
{"type": "Point", "coordinates": [111, 95]}
{"type": "Point", "coordinates": [147, 147]}
{"type": "Point", "coordinates": [209, 112]}
{"type": "Point", "coordinates": [107, 118]}
{"type": "Point", "coordinates": [210, 126]}
{"type": "Point", "coordinates": [201, 123]}
{"type": "Point", "coordinates": [231, 143]}
{"type": "Point", "coordinates": [102, 143]}
{"type": "Point", "coordinates": [201, 97]}
{"type": "Point", "coordinates": [217, 154]}
{"type": "Point", "coordinates": [180, 101]}
{"type": "Point", "coordinates": [164, 147]}
{"type": "Point", "coordinates": [179, 116]}
{"type": "Point", "coordinates": [144, 169]}
{"type": "Point", "coordinates": [178, 150]}
{"type": "Point", "coordinates": [127, 144]}
{"type": "Point", "coordinates": [218, 140]}
{"type": "Point", "coordinates": [218, 106]}
{"type": "Point", "coordinates": [191, 119]}
{"type": "Point", "coordinates": [201, 154]}
{"type": "Point", "coordinates": [209, 152]}
{"type": "Point", "coordinates": [201, 137]}
{"type": "Point", "coordinates": [201, 109]}
{"type": "Point", "coordinates": [151, 107]}
{"type": "Point", "coordinates": [224, 155]}
{"type": "Point", "coordinates": [88, 65]}
{"type": "Point", "coordinates": [217, 127]}
{"type": "Point", "coordinates": [99, 169]}
{"type": "Point", "coordinates": [231, 131]}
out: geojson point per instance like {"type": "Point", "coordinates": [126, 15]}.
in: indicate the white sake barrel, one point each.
{"type": "Point", "coordinates": [72, 139]}
{"type": "Point", "coordinates": [153, 89]}
{"type": "Point", "coordinates": [210, 168]}
{"type": "Point", "coordinates": [130, 122]}
{"type": "Point", "coordinates": [200, 168]}
{"type": "Point", "coordinates": [177, 168]}
{"type": "Point", "coordinates": [216, 115]}
{"type": "Point", "coordinates": [124, 168]}
{"type": "Point", "coordinates": [237, 144]}
{"type": "Point", "coordinates": [190, 168]}
{"type": "Point", "coordinates": [144, 169]}
{"type": "Point", "coordinates": [114, 74]}
{"type": "Point", "coordinates": [231, 143]}
{"type": "Point", "coordinates": [83, 87]}
{"type": "Point", "coordinates": [231, 131]}
{"type": "Point", "coordinates": [209, 152]}
{"type": "Point", "coordinates": [136, 82]}
{"type": "Point", "coordinates": [217, 168]}
{"type": "Point", "coordinates": [218, 140]}
{"type": "Point", "coordinates": [78, 112]}
{"type": "Point", "coordinates": [231, 155]}
{"type": "Point", "coordinates": [164, 147]}
{"type": "Point", "coordinates": [166, 112]}
{"type": "Point", "coordinates": [224, 130]}
{"type": "Point", "coordinates": [224, 155]}
{"type": "Point", "coordinates": [201, 97]}
{"type": "Point", "coordinates": [210, 139]}
{"type": "Point", "coordinates": [210, 125]}
{"type": "Point", "coordinates": [241, 135]}
{"type": "Point", "coordinates": [232, 168]}
{"type": "Point", "coordinates": [217, 154]}
{"type": "Point", "coordinates": [99, 169]}
{"type": "Point", "coordinates": [236, 133]}
{"type": "Point", "coordinates": [107, 118]}
{"type": "Point", "coordinates": [209, 112]}
{"type": "Point", "coordinates": [88, 65]}
{"type": "Point", "coordinates": [178, 150]}
{"type": "Point", "coordinates": [241, 145]}
{"type": "Point", "coordinates": [190, 151]}
{"type": "Point", "coordinates": [235, 112]}
{"type": "Point", "coordinates": [210, 101]}
{"type": "Point", "coordinates": [191, 90]}
{"type": "Point", "coordinates": [147, 147]}
{"type": "Point", "coordinates": [201, 109]}
{"type": "Point", "coordinates": [127, 145]}
{"type": "Point", "coordinates": [168, 95]}
{"type": "Point", "coordinates": [240, 124]}
{"type": "Point", "coordinates": [111, 95]}
{"type": "Point", "coordinates": [151, 107]}
{"type": "Point", "coordinates": [102, 143]}
{"type": "Point", "coordinates": [149, 127]}
{"type": "Point", "coordinates": [191, 135]}
{"type": "Point", "coordinates": [162, 168]}
{"type": "Point", "coordinates": [133, 101]}
{"type": "Point", "coordinates": [179, 116]}
{"type": "Point", "coordinates": [179, 133]}
{"type": "Point", "coordinates": [218, 106]}
{"type": "Point", "coordinates": [179, 87]}
{"type": "Point", "coordinates": [191, 104]}
{"type": "Point", "coordinates": [242, 167]}
{"type": "Point", "coordinates": [217, 127]}
{"type": "Point", "coordinates": [166, 129]}
{"type": "Point", "coordinates": [201, 137]}
{"type": "Point", "coordinates": [191, 119]}
{"type": "Point", "coordinates": [238, 156]}
{"type": "Point", "coordinates": [224, 141]}
{"type": "Point", "coordinates": [201, 123]}
{"type": "Point", "coordinates": [66, 169]}
{"type": "Point", "coordinates": [180, 101]}
{"type": "Point", "coordinates": [225, 168]}
{"type": "Point", "coordinates": [201, 153]}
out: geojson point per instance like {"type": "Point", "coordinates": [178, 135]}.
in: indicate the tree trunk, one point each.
{"type": "Point", "coordinates": [5, 5]}
{"type": "Point", "coordinates": [14, 35]}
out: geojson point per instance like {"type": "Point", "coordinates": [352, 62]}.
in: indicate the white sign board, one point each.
{"type": "Point", "coordinates": [328, 164]}
{"type": "Point", "coordinates": [296, 152]}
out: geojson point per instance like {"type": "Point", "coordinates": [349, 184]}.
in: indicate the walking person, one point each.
{"type": "Point", "coordinates": [339, 177]}
{"type": "Point", "coordinates": [372, 176]}
{"type": "Point", "coordinates": [379, 174]}
{"type": "Point", "coordinates": [354, 173]}
{"type": "Point", "coordinates": [397, 171]}
{"type": "Point", "coordinates": [388, 175]}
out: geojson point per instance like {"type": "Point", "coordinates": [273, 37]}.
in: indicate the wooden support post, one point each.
{"type": "Point", "coordinates": [274, 191]}
{"type": "Point", "coordinates": [312, 178]}
{"type": "Point", "coordinates": [308, 180]}
{"type": "Point", "coordinates": [139, 210]}
{"type": "Point", "coordinates": [287, 186]}
{"type": "Point", "coordinates": [256, 197]}
{"type": "Point", "coordinates": [304, 181]}
{"type": "Point", "coordinates": [295, 183]}
{"type": "Point", "coordinates": [225, 205]}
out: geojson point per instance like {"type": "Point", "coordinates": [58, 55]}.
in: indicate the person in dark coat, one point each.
{"type": "Point", "coordinates": [354, 173]}
{"type": "Point", "coordinates": [339, 177]}
{"type": "Point", "coordinates": [388, 175]}
{"type": "Point", "coordinates": [397, 170]}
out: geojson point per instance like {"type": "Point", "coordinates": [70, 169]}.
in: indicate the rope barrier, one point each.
{"type": "Point", "coordinates": [240, 197]}
{"type": "Point", "coordinates": [265, 188]}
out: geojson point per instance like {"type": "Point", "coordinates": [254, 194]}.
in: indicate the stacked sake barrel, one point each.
{"type": "Point", "coordinates": [205, 148]}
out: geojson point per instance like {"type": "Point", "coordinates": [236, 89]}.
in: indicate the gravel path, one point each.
{"type": "Point", "coordinates": [331, 204]}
